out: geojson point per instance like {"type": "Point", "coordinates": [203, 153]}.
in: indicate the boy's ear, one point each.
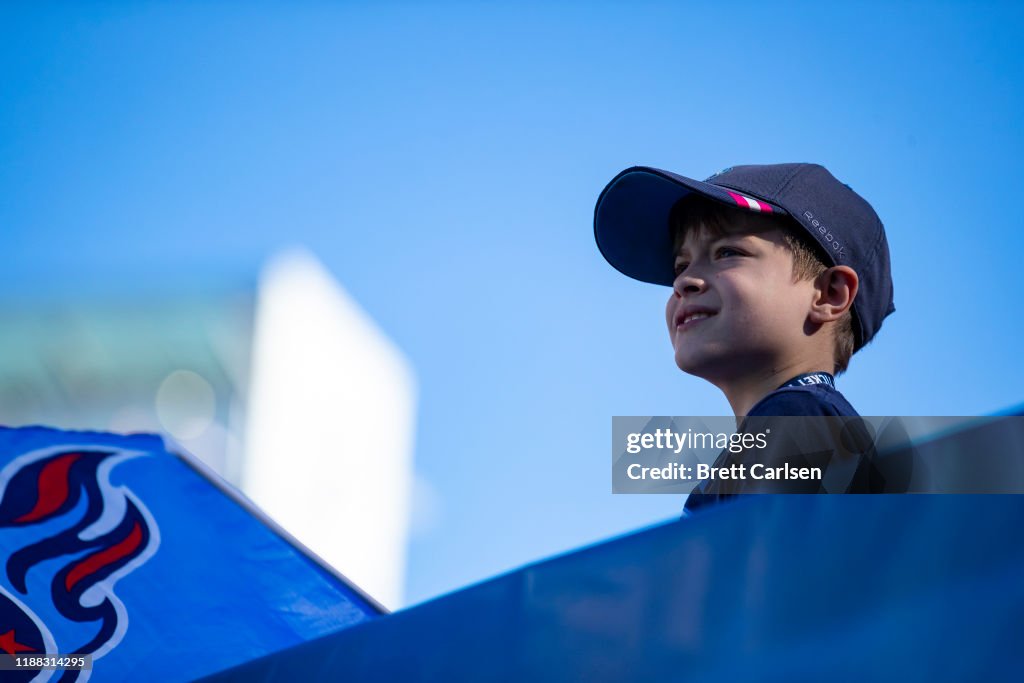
{"type": "Point", "coordinates": [835, 290]}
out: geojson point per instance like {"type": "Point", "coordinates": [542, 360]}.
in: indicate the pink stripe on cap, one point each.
{"type": "Point", "coordinates": [749, 203]}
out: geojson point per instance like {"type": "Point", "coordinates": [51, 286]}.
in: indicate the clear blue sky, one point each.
{"type": "Point", "coordinates": [444, 161]}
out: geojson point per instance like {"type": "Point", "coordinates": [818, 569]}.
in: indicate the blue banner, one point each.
{"type": "Point", "coordinates": [118, 548]}
{"type": "Point", "coordinates": [773, 588]}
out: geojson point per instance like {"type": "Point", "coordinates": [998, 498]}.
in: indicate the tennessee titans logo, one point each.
{"type": "Point", "coordinates": [77, 535]}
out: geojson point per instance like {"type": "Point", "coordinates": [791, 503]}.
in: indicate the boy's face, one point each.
{"type": "Point", "coordinates": [736, 310]}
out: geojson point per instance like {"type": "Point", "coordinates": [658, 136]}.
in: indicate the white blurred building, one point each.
{"type": "Point", "coordinates": [287, 389]}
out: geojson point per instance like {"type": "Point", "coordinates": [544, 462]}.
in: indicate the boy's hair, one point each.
{"type": "Point", "coordinates": [808, 263]}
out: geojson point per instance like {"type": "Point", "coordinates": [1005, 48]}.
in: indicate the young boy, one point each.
{"type": "Point", "coordinates": [779, 273]}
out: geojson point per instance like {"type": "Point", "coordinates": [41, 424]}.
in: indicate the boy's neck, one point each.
{"type": "Point", "coordinates": [744, 393]}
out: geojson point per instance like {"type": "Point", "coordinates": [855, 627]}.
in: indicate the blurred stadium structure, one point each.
{"type": "Point", "coordinates": [288, 390]}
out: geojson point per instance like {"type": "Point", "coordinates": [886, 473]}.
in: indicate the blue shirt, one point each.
{"type": "Point", "coordinates": [811, 394]}
{"type": "Point", "coordinates": [816, 398]}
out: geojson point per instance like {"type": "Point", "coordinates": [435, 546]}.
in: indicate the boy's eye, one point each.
{"type": "Point", "coordinates": [680, 267]}
{"type": "Point", "coordinates": [728, 251]}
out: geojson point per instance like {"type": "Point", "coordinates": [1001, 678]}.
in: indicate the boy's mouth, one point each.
{"type": "Point", "coordinates": [692, 315]}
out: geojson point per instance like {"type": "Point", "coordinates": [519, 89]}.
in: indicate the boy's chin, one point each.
{"type": "Point", "coordinates": [704, 368]}
{"type": "Point", "coordinates": [690, 365]}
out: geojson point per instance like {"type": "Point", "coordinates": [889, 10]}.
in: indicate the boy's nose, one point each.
{"type": "Point", "coordinates": [688, 283]}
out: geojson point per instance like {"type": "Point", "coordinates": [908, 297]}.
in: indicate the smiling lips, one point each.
{"type": "Point", "coordinates": [691, 315]}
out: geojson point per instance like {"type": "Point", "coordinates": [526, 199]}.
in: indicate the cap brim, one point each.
{"type": "Point", "coordinates": [631, 219]}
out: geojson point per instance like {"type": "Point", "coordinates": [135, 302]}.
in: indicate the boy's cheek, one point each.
{"type": "Point", "coordinates": [670, 311]}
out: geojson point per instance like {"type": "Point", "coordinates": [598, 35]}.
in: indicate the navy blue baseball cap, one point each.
{"type": "Point", "coordinates": [631, 224]}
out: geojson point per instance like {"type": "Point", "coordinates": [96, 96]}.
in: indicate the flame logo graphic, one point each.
{"type": "Point", "coordinates": [114, 536]}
